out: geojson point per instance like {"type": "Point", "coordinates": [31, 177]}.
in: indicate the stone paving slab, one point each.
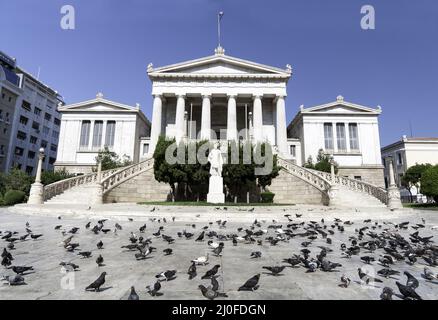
{"type": "Point", "coordinates": [124, 271]}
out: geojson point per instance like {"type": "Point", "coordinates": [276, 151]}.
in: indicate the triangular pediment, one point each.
{"type": "Point", "coordinates": [98, 105]}
{"type": "Point", "coordinates": [218, 64]}
{"type": "Point", "coordinates": [340, 107]}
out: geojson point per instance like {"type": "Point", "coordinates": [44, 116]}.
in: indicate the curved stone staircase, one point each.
{"type": "Point", "coordinates": [335, 190]}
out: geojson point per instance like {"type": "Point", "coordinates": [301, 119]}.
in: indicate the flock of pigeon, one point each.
{"type": "Point", "coordinates": [376, 243]}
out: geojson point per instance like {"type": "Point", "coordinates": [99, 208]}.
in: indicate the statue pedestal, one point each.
{"type": "Point", "coordinates": [216, 190]}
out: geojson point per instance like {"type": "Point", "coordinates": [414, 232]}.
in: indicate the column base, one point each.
{"type": "Point", "coordinates": [334, 196]}
{"type": "Point", "coordinates": [394, 201]}
{"type": "Point", "coordinates": [36, 194]}
{"type": "Point", "coordinates": [216, 190]}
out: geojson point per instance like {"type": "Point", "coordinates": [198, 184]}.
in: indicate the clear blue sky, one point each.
{"type": "Point", "coordinates": [394, 66]}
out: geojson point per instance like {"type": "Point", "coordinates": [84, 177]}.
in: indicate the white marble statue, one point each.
{"type": "Point", "coordinates": [216, 160]}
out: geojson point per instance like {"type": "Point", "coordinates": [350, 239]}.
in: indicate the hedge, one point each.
{"type": "Point", "coordinates": [12, 197]}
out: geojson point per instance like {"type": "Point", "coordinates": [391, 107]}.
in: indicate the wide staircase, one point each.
{"type": "Point", "coordinates": [349, 192]}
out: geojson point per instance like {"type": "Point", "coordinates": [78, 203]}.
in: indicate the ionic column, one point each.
{"type": "Point", "coordinates": [281, 125]}
{"type": "Point", "coordinates": [231, 119]}
{"type": "Point", "coordinates": [157, 112]}
{"type": "Point", "coordinates": [206, 118]}
{"type": "Point", "coordinates": [393, 200]}
{"type": "Point", "coordinates": [257, 119]}
{"type": "Point", "coordinates": [179, 118]}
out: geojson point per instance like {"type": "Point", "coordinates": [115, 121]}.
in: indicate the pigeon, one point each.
{"type": "Point", "coordinates": [217, 252]}
{"type": "Point", "coordinates": [35, 236]}
{"type": "Point", "coordinates": [133, 295]}
{"type": "Point", "coordinates": [386, 294]}
{"type": "Point", "coordinates": [16, 280]}
{"type": "Point", "coordinates": [99, 260]}
{"type": "Point", "coordinates": [345, 281]}
{"type": "Point", "coordinates": [210, 273]}
{"type": "Point", "coordinates": [256, 254]}
{"type": "Point", "coordinates": [292, 261]}
{"type": "Point", "coordinates": [251, 284]}
{"type": "Point", "coordinates": [99, 245]}
{"type": "Point", "coordinates": [209, 293]}
{"type": "Point", "coordinates": [201, 236]}
{"type": "Point", "coordinates": [142, 228]}
{"type": "Point", "coordinates": [213, 244]}
{"type": "Point", "coordinates": [407, 291]}
{"type": "Point", "coordinates": [73, 230]}
{"type": "Point", "coordinates": [6, 262]}
{"type": "Point", "coordinates": [387, 272]}
{"type": "Point", "coordinates": [203, 260]}
{"type": "Point", "coordinates": [366, 278]}
{"type": "Point", "coordinates": [21, 269]}
{"type": "Point", "coordinates": [69, 266]}
{"type": "Point", "coordinates": [154, 292]}
{"type": "Point", "coordinates": [411, 281]}
{"type": "Point", "coordinates": [429, 275]}
{"type": "Point", "coordinates": [97, 283]}
{"type": "Point", "coordinates": [167, 251]}
{"type": "Point", "coordinates": [192, 271]}
{"type": "Point", "coordinates": [367, 259]}
{"type": "Point", "coordinates": [118, 226]}
{"type": "Point", "coordinates": [88, 225]}
{"type": "Point", "coordinates": [214, 284]}
{"type": "Point", "coordinates": [328, 266]}
{"type": "Point", "coordinates": [85, 254]}
{"type": "Point", "coordinates": [276, 270]}
{"type": "Point", "coordinates": [59, 226]}
{"type": "Point", "coordinates": [166, 275]}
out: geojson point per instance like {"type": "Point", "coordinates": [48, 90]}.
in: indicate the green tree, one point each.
{"type": "Point", "coordinates": [412, 176]}
{"type": "Point", "coordinates": [429, 183]}
{"type": "Point", "coordinates": [15, 180]}
{"type": "Point", "coordinates": [171, 174]}
{"type": "Point", "coordinates": [49, 177]}
{"type": "Point", "coordinates": [111, 160]}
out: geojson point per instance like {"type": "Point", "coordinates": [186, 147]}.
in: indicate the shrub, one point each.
{"type": "Point", "coordinates": [267, 197]}
{"type": "Point", "coordinates": [13, 197]}
{"type": "Point", "coordinates": [1, 200]}
{"type": "Point", "coordinates": [429, 183]}
{"type": "Point", "coordinates": [16, 180]}
{"type": "Point", "coordinates": [49, 177]}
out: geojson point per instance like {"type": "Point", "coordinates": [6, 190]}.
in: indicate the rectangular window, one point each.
{"type": "Point", "coordinates": [145, 148]}
{"type": "Point", "coordinates": [43, 144]}
{"type": "Point", "coordinates": [37, 111]}
{"type": "Point", "coordinates": [29, 170]}
{"type": "Point", "coordinates": [57, 122]}
{"type": "Point", "coordinates": [31, 155]}
{"type": "Point", "coordinates": [293, 150]}
{"type": "Point", "coordinates": [36, 126]}
{"type": "Point", "coordinates": [26, 105]}
{"type": "Point", "coordinates": [110, 133]}
{"type": "Point", "coordinates": [97, 134]}
{"type": "Point", "coordinates": [46, 130]}
{"type": "Point", "coordinates": [19, 151]}
{"type": "Point", "coordinates": [47, 116]}
{"type": "Point", "coordinates": [55, 134]}
{"type": "Point", "coordinates": [52, 160]}
{"type": "Point", "coordinates": [23, 120]}
{"type": "Point", "coordinates": [85, 133]}
{"type": "Point", "coordinates": [21, 135]}
{"type": "Point", "coordinates": [399, 159]}
{"type": "Point", "coordinates": [340, 132]}
{"type": "Point", "coordinates": [354, 137]}
{"type": "Point", "coordinates": [33, 139]}
{"type": "Point", "coordinates": [53, 147]}
{"type": "Point", "coordinates": [328, 136]}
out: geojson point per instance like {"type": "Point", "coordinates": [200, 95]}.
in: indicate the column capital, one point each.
{"type": "Point", "coordinates": [279, 96]}
{"type": "Point", "coordinates": [157, 95]}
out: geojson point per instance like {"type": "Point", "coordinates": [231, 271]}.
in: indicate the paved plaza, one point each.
{"type": "Point", "coordinates": [50, 281]}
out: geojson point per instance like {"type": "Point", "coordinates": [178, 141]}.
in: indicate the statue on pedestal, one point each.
{"type": "Point", "coordinates": [216, 183]}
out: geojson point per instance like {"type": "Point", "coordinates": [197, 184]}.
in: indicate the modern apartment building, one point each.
{"type": "Point", "coordinates": [34, 122]}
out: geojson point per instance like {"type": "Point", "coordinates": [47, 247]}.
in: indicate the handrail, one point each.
{"type": "Point", "coordinates": [126, 173]}
{"type": "Point", "coordinates": [356, 185]}
{"type": "Point", "coordinates": [59, 187]}
{"type": "Point", "coordinates": [305, 174]}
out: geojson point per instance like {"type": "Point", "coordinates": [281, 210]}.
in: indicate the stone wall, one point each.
{"type": "Point", "coordinates": [289, 189]}
{"type": "Point", "coordinates": [141, 188]}
{"type": "Point", "coordinates": [372, 175]}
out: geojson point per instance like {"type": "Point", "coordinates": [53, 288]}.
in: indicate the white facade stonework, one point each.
{"type": "Point", "coordinates": [90, 126]}
{"type": "Point", "coordinates": [347, 131]}
{"type": "Point", "coordinates": [408, 152]}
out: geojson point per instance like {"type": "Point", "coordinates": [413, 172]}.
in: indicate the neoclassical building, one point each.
{"type": "Point", "coordinates": [220, 97]}
{"type": "Point", "coordinates": [224, 98]}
